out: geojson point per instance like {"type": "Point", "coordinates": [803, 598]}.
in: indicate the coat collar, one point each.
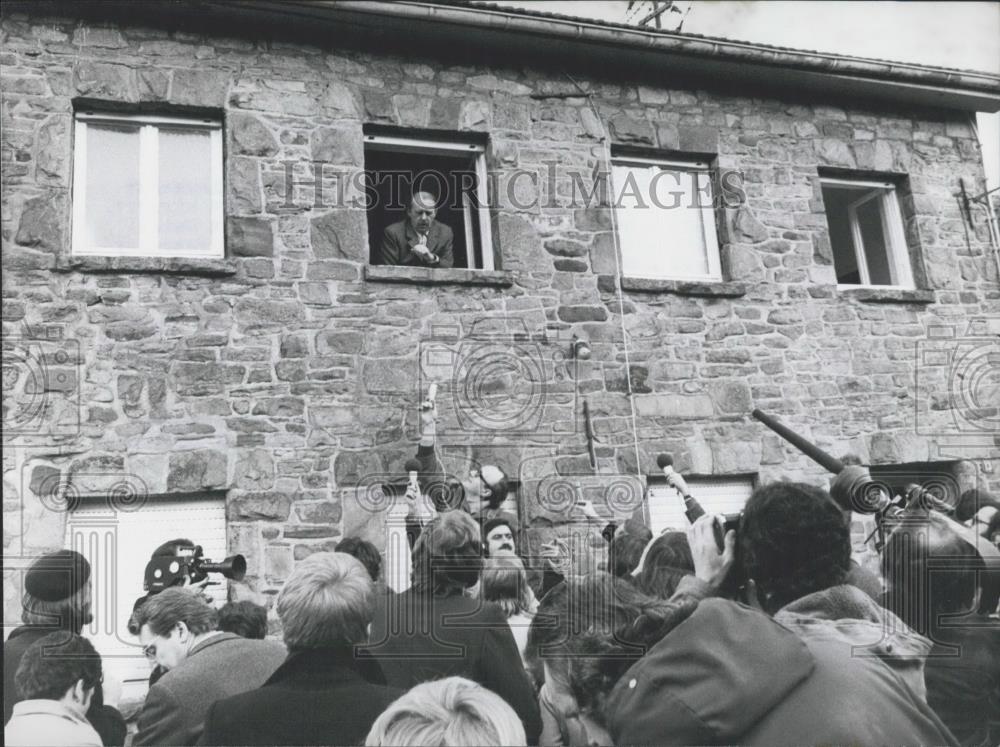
{"type": "Point", "coordinates": [411, 232]}
{"type": "Point", "coordinates": [325, 666]}
{"type": "Point", "coordinates": [212, 641]}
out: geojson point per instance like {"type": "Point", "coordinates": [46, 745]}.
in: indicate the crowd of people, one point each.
{"type": "Point", "coordinates": [777, 637]}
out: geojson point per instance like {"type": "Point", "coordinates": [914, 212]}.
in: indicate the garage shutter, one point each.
{"type": "Point", "coordinates": [718, 495]}
{"type": "Point", "coordinates": [118, 545]}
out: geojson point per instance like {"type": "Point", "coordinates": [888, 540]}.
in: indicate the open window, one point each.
{"type": "Point", "coordinates": [866, 233]}
{"type": "Point", "coordinates": [453, 172]}
{"type": "Point", "coordinates": [717, 495]}
{"type": "Point", "coordinates": [147, 186]}
{"type": "Point", "coordinates": [666, 220]}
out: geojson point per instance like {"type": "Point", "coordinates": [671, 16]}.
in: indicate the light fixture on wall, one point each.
{"type": "Point", "coordinates": [581, 348]}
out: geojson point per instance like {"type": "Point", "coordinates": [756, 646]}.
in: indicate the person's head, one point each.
{"type": "Point", "coordinates": [667, 562]}
{"type": "Point", "coordinates": [244, 618]}
{"type": "Point", "coordinates": [793, 541]}
{"type": "Point", "coordinates": [170, 624]}
{"type": "Point", "coordinates": [61, 666]}
{"type": "Point", "coordinates": [447, 493]}
{"type": "Point", "coordinates": [498, 537]}
{"type": "Point", "coordinates": [930, 571]}
{"type": "Point", "coordinates": [57, 592]}
{"type": "Point", "coordinates": [452, 712]}
{"type": "Point", "coordinates": [364, 551]}
{"type": "Point", "coordinates": [505, 583]}
{"type": "Point", "coordinates": [626, 548]}
{"type": "Point", "coordinates": [494, 485]}
{"type": "Point", "coordinates": [972, 501]}
{"type": "Point", "coordinates": [447, 557]}
{"type": "Point", "coordinates": [328, 601]}
{"type": "Point", "coordinates": [587, 632]}
{"type": "Point", "coordinates": [422, 211]}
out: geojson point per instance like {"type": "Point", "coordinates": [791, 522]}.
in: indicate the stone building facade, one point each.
{"type": "Point", "coordinates": [285, 377]}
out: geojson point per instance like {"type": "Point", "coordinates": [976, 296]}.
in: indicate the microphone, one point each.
{"type": "Point", "coordinates": [692, 509]}
{"type": "Point", "coordinates": [432, 392]}
{"type": "Point", "coordinates": [413, 467]}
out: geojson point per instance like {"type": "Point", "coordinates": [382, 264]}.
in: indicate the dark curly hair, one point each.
{"type": "Point", "coordinates": [667, 562]}
{"type": "Point", "coordinates": [591, 629]}
{"type": "Point", "coordinates": [793, 541]}
{"type": "Point", "coordinates": [625, 551]}
{"type": "Point", "coordinates": [245, 619]}
{"type": "Point", "coordinates": [53, 664]}
{"type": "Point", "coordinates": [364, 551]}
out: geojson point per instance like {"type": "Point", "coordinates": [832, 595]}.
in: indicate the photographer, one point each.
{"type": "Point", "coordinates": [788, 669]}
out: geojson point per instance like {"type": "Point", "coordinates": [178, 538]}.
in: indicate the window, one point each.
{"type": "Point", "coordinates": [147, 186]}
{"type": "Point", "coordinates": [666, 222]}
{"type": "Point", "coordinates": [118, 545]}
{"type": "Point", "coordinates": [866, 233]}
{"type": "Point", "coordinates": [454, 173]}
{"type": "Point", "coordinates": [717, 495]}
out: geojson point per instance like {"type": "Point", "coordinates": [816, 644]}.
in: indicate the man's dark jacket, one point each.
{"type": "Point", "coordinates": [322, 696]}
{"type": "Point", "coordinates": [107, 721]}
{"type": "Point", "coordinates": [422, 637]}
{"type": "Point", "coordinates": [399, 238]}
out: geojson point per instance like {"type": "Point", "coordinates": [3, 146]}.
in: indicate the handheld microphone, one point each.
{"type": "Point", "coordinates": [413, 467]}
{"type": "Point", "coordinates": [432, 392]}
{"type": "Point", "coordinates": [692, 509]}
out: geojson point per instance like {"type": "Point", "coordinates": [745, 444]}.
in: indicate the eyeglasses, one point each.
{"type": "Point", "coordinates": [149, 651]}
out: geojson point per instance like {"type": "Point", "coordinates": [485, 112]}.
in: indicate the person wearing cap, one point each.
{"type": "Point", "coordinates": [419, 239]}
{"type": "Point", "coordinates": [57, 598]}
{"type": "Point", "coordinates": [498, 537]}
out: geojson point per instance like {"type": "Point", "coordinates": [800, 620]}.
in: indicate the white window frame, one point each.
{"type": "Point", "coordinates": [702, 171]}
{"type": "Point", "coordinates": [716, 494]}
{"type": "Point", "coordinates": [148, 184]}
{"type": "Point", "coordinates": [392, 144]}
{"type": "Point", "coordinates": [900, 270]}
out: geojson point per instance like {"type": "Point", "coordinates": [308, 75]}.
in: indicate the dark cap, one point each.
{"type": "Point", "coordinates": [499, 521]}
{"type": "Point", "coordinates": [57, 576]}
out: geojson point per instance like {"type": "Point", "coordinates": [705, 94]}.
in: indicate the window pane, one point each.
{"type": "Point", "coordinates": [845, 262]}
{"type": "Point", "coordinates": [112, 190]}
{"type": "Point", "coordinates": [185, 191]}
{"type": "Point", "coordinates": [660, 222]}
{"type": "Point", "coordinates": [873, 236]}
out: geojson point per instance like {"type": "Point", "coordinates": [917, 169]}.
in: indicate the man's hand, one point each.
{"type": "Point", "coordinates": [588, 510]}
{"type": "Point", "coordinates": [426, 255]}
{"type": "Point", "coordinates": [557, 555]}
{"type": "Point", "coordinates": [710, 565]}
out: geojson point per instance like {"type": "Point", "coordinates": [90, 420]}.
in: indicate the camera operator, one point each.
{"type": "Point", "coordinates": [57, 593]}
{"type": "Point", "coordinates": [936, 580]}
{"type": "Point", "coordinates": [166, 550]}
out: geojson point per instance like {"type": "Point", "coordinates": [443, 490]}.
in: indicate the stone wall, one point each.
{"type": "Point", "coordinates": [288, 377]}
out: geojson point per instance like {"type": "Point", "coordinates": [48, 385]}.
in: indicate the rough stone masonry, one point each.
{"type": "Point", "coordinates": [285, 376]}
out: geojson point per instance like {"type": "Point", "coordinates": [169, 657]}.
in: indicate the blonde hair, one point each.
{"type": "Point", "coordinates": [448, 713]}
{"type": "Point", "coordinates": [327, 600]}
{"type": "Point", "coordinates": [505, 583]}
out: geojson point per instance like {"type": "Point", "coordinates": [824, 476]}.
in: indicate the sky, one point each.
{"type": "Point", "coordinates": [962, 35]}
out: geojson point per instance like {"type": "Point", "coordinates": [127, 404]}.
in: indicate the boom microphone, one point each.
{"type": "Point", "coordinates": [811, 450]}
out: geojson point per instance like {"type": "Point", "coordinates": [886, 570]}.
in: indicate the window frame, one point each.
{"type": "Point", "coordinates": [702, 170]}
{"type": "Point", "coordinates": [148, 132]}
{"type": "Point", "coordinates": [424, 146]}
{"type": "Point", "coordinates": [898, 259]}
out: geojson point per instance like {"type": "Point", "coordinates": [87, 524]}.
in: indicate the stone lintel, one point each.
{"type": "Point", "coordinates": [709, 288]}
{"type": "Point", "coordinates": [208, 267]}
{"type": "Point", "coordinates": [438, 276]}
{"type": "Point", "coordinates": [888, 295]}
